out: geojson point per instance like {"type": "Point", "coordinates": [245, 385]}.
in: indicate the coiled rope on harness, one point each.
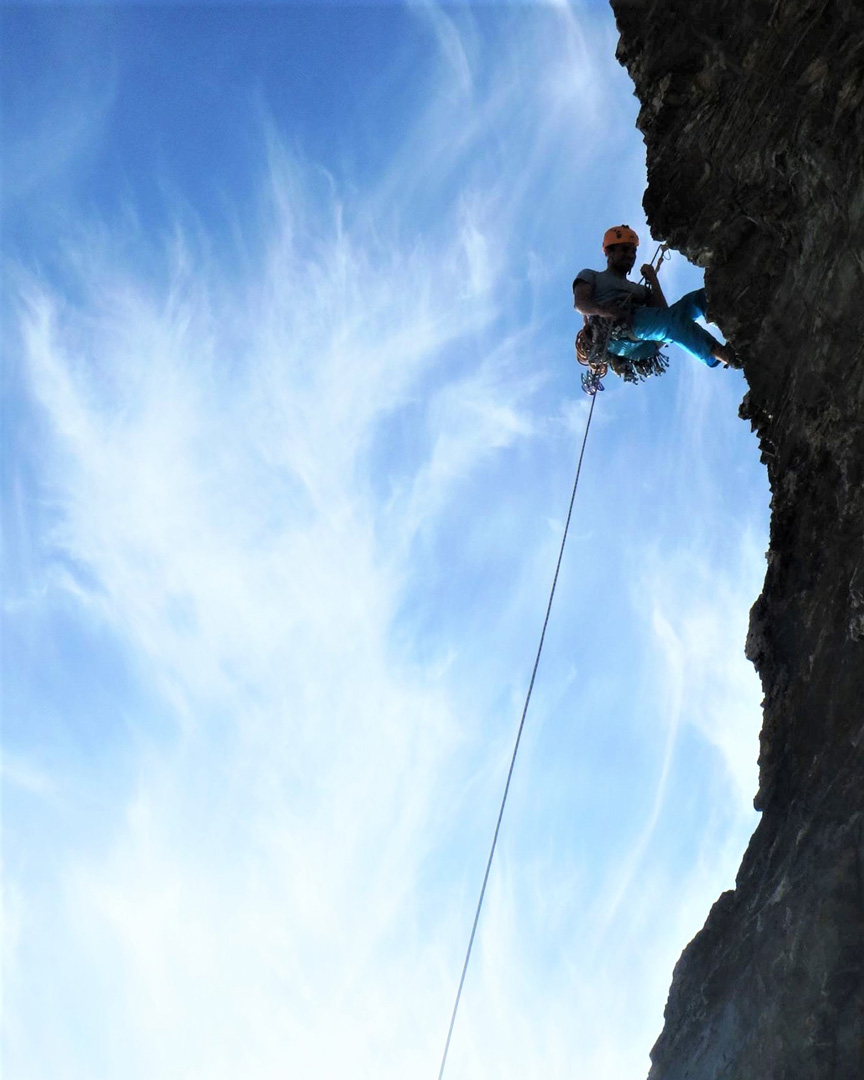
{"type": "Point", "coordinates": [518, 738]}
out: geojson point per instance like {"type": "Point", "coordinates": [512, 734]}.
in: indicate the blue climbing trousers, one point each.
{"type": "Point", "coordinates": [674, 324]}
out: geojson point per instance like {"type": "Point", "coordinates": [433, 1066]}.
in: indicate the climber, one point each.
{"type": "Point", "coordinates": [638, 314]}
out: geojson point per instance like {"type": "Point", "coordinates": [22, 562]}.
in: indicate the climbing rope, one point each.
{"type": "Point", "coordinates": [518, 737]}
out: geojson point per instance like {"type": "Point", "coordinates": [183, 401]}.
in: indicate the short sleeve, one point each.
{"type": "Point", "coordinates": [588, 276]}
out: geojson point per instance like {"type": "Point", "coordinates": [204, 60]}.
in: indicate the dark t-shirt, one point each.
{"type": "Point", "coordinates": [609, 288]}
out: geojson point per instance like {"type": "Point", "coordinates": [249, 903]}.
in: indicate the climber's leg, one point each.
{"type": "Point", "coordinates": [676, 324]}
{"type": "Point", "coordinates": [691, 305]}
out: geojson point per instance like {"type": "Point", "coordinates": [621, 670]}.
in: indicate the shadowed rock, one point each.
{"type": "Point", "coordinates": [753, 116]}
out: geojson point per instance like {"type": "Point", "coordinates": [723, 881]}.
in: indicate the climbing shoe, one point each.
{"type": "Point", "coordinates": [727, 356]}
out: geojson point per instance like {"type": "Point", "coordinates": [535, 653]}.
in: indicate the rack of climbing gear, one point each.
{"type": "Point", "coordinates": [587, 342]}
{"type": "Point", "coordinates": [591, 343]}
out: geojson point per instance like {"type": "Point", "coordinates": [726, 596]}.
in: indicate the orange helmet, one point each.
{"type": "Point", "coordinates": [619, 234]}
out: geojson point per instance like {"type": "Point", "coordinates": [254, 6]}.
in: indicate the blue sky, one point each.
{"type": "Point", "coordinates": [291, 416]}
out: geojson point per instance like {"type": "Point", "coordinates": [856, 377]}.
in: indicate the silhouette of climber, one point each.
{"type": "Point", "coordinates": [639, 314]}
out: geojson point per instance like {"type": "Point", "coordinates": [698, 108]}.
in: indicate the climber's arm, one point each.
{"type": "Point", "coordinates": [585, 304]}
{"type": "Point", "coordinates": [656, 298]}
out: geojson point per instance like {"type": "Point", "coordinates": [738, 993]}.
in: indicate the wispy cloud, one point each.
{"type": "Point", "coordinates": [60, 122]}
{"type": "Point", "coordinates": [710, 608]}
{"type": "Point", "coordinates": [216, 506]}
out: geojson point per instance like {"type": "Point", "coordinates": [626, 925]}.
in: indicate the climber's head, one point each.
{"type": "Point", "coordinates": [619, 247]}
{"type": "Point", "coordinates": [619, 234]}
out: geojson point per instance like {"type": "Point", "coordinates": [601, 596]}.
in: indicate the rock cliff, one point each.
{"type": "Point", "coordinates": [753, 117]}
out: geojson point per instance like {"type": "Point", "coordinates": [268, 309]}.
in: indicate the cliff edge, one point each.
{"type": "Point", "coordinates": [753, 117]}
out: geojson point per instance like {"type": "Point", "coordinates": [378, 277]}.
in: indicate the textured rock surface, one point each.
{"type": "Point", "coordinates": [753, 116]}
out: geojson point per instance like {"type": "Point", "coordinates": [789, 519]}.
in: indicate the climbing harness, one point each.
{"type": "Point", "coordinates": [518, 737]}
{"type": "Point", "coordinates": [592, 347]}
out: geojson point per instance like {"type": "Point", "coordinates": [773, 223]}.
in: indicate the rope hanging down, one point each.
{"type": "Point", "coordinates": [518, 738]}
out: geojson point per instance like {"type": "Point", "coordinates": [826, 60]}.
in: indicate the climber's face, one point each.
{"type": "Point", "coordinates": [621, 257]}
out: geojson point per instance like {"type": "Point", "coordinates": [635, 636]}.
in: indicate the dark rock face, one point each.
{"type": "Point", "coordinates": [753, 116]}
